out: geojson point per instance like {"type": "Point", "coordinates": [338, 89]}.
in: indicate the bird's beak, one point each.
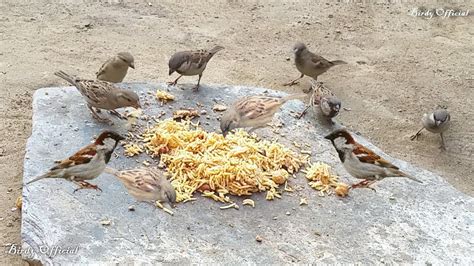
{"type": "Point", "coordinates": [132, 65]}
{"type": "Point", "coordinates": [328, 137]}
{"type": "Point", "coordinates": [170, 72]}
{"type": "Point", "coordinates": [437, 122]}
{"type": "Point", "coordinates": [224, 133]}
{"type": "Point", "coordinates": [120, 137]}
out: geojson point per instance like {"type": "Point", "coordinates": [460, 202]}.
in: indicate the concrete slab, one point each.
{"type": "Point", "coordinates": [403, 222]}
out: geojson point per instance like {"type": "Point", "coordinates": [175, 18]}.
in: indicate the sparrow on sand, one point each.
{"type": "Point", "coordinates": [435, 122]}
{"type": "Point", "coordinates": [115, 69]}
{"type": "Point", "coordinates": [310, 64]}
{"type": "Point", "coordinates": [191, 63]}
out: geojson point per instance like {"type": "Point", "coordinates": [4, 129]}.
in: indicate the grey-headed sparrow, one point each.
{"type": "Point", "coordinates": [253, 111]}
{"type": "Point", "coordinates": [310, 64]}
{"type": "Point", "coordinates": [86, 164]}
{"type": "Point", "coordinates": [115, 69]}
{"type": "Point", "coordinates": [102, 95]}
{"type": "Point", "coordinates": [191, 63]}
{"type": "Point", "coordinates": [146, 184]}
{"type": "Point", "coordinates": [323, 102]}
{"type": "Point", "coordinates": [435, 122]}
{"type": "Point", "coordinates": [361, 162]}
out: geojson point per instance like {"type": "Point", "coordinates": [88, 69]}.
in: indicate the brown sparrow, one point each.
{"type": "Point", "coordinates": [115, 69]}
{"type": "Point", "coordinates": [102, 95]}
{"type": "Point", "coordinates": [253, 111]}
{"type": "Point", "coordinates": [146, 184]}
{"type": "Point", "coordinates": [323, 102]}
{"type": "Point", "coordinates": [191, 63]}
{"type": "Point", "coordinates": [86, 164]}
{"type": "Point", "coordinates": [361, 162]}
{"type": "Point", "coordinates": [310, 64]}
{"type": "Point", "coordinates": [435, 122]}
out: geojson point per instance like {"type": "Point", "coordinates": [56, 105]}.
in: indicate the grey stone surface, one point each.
{"type": "Point", "coordinates": [403, 222]}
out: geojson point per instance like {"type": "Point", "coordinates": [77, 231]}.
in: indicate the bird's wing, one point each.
{"type": "Point", "coordinates": [104, 67]}
{"type": "Point", "coordinates": [368, 156]}
{"type": "Point", "coordinates": [319, 61]}
{"type": "Point", "coordinates": [83, 156]}
{"type": "Point", "coordinates": [97, 91]}
{"type": "Point", "coordinates": [145, 180]}
{"type": "Point", "coordinates": [179, 59]}
{"type": "Point", "coordinates": [257, 106]}
{"type": "Point", "coordinates": [200, 57]}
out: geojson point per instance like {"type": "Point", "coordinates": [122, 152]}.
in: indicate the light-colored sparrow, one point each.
{"type": "Point", "coordinates": [115, 68]}
{"type": "Point", "coordinates": [102, 95]}
{"type": "Point", "coordinates": [86, 164]}
{"type": "Point", "coordinates": [253, 111]}
{"type": "Point", "coordinates": [361, 162]}
{"type": "Point", "coordinates": [146, 184]}
{"type": "Point", "coordinates": [191, 63]}
{"type": "Point", "coordinates": [310, 64]}
{"type": "Point", "coordinates": [435, 122]}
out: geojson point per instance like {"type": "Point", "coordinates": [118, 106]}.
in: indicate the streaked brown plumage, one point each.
{"type": "Point", "coordinates": [191, 63]}
{"type": "Point", "coordinates": [310, 64]}
{"type": "Point", "coordinates": [146, 184]}
{"type": "Point", "coordinates": [253, 111]}
{"type": "Point", "coordinates": [86, 164]}
{"type": "Point", "coordinates": [115, 68]}
{"type": "Point", "coordinates": [102, 94]}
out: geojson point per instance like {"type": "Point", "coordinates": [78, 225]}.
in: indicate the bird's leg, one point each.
{"type": "Point", "coordinates": [96, 116]}
{"type": "Point", "coordinates": [304, 112]}
{"type": "Point", "coordinates": [175, 81]}
{"type": "Point", "coordinates": [86, 185]}
{"type": "Point", "coordinates": [364, 184]}
{"type": "Point", "coordinates": [293, 82]}
{"type": "Point", "coordinates": [197, 86]}
{"type": "Point", "coordinates": [443, 144]}
{"type": "Point", "coordinates": [417, 134]}
{"type": "Point", "coordinates": [117, 114]}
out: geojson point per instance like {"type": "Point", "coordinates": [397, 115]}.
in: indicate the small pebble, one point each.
{"type": "Point", "coordinates": [258, 238]}
{"type": "Point", "coordinates": [131, 208]}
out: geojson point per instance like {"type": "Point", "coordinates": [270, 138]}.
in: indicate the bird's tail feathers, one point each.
{"type": "Point", "coordinates": [46, 175]}
{"type": "Point", "coordinates": [65, 76]}
{"type": "Point", "coordinates": [400, 173]}
{"type": "Point", "coordinates": [216, 49]}
{"type": "Point", "coordinates": [339, 62]}
{"type": "Point", "coordinates": [112, 171]}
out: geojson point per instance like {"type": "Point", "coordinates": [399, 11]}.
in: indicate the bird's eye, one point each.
{"type": "Point", "coordinates": [129, 100]}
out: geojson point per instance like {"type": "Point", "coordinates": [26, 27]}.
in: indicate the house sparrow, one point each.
{"type": "Point", "coordinates": [361, 162]}
{"type": "Point", "coordinates": [191, 63]}
{"type": "Point", "coordinates": [253, 111]}
{"type": "Point", "coordinates": [310, 64]}
{"type": "Point", "coordinates": [86, 164]}
{"type": "Point", "coordinates": [146, 184]}
{"type": "Point", "coordinates": [115, 69]}
{"type": "Point", "coordinates": [435, 122]}
{"type": "Point", "coordinates": [102, 95]}
{"type": "Point", "coordinates": [323, 102]}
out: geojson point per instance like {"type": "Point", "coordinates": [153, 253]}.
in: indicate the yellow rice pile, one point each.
{"type": "Point", "coordinates": [217, 166]}
{"type": "Point", "coordinates": [320, 177]}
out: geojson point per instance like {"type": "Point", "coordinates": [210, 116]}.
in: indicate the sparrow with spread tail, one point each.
{"type": "Point", "coordinates": [310, 64]}
{"type": "Point", "coordinates": [102, 95]}
{"type": "Point", "coordinates": [435, 122]}
{"type": "Point", "coordinates": [361, 162]}
{"type": "Point", "coordinates": [146, 184]}
{"type": "Point", "coordinates": [191, 63]}
{"type": "Point", "coordinates": [115, 69]}
{"type": "Point", "coordinates": [86, 164]}
{"type": "Point", "coordinates": [253, 111]}
{"type": "Point", "coordinates": [323, 102]}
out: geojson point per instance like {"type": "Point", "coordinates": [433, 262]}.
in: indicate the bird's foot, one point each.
{"type": "Point", "coordinates": [86, 185]}
{"type": "Point", "coordinates": [196, 88]}
{"type": "Point", "coordinates": [172, 83]}
{"type": "Point", "coordinates": [301, 114]}
{"type": "Point", "coordinates": [364, 184]}
{"type": "Point", "coordinates": [415, 136]}
{"type": "Point", "coordinates": [291, 83]}
{"type": "Point", "coordinates": [442, 147]}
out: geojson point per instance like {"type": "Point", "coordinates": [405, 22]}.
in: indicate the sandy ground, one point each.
{"type": "Point", "coordinates": [400, 66]}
